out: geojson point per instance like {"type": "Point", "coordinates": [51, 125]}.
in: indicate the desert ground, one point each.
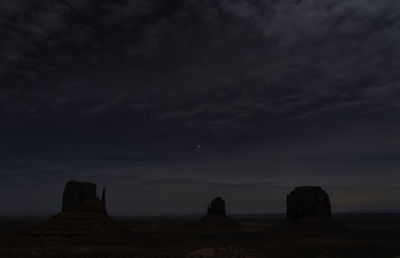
{"type": "Point", "coordinates": [254, 236]}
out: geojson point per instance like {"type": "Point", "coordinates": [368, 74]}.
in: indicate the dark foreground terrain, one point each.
{"type": "Point", "coordinates": [362, 236]}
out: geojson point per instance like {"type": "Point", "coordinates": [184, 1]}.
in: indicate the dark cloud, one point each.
{"type": "Point", "coordinates": [93, 87]}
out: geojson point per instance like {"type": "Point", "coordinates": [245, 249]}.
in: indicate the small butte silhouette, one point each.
{"type": "Point", "coordinates": [216, 214]}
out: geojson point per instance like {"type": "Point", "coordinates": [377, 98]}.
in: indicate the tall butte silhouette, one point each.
{"type": "Point", "coordinates": [308, 202]}
{"type": "Point", "coordinates": [83, 215]}
{"type": "Point", "coordinates": [308, 208]}
{"type": "Point", "coordinates": [81, 197]}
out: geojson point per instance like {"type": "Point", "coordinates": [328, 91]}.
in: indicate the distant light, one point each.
{"type": "Point", "coordinates": [198, 146]}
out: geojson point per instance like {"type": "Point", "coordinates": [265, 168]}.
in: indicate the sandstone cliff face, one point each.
{"type": "Point", "coordinates": [81, 197]}
{"type": "Point", "coordinates": [308, 202]}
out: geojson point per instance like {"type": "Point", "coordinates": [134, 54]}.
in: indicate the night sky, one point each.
{"type": "Point", "coordinates": [171, 103]}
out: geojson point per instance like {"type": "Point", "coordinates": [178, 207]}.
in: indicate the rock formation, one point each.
{"type": "Point", "coordinates": [82, 197]}
{"type": "Point", "coordinates": [308, 210]}
{"type": "Point", "coordinates": [216, 207]}
{"type": "Point", "coordinates": [308, 202]}
{"type": "Point", "coordinates": [216, 213]}
{"type": "Point", "coordinates": [83, 215]}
